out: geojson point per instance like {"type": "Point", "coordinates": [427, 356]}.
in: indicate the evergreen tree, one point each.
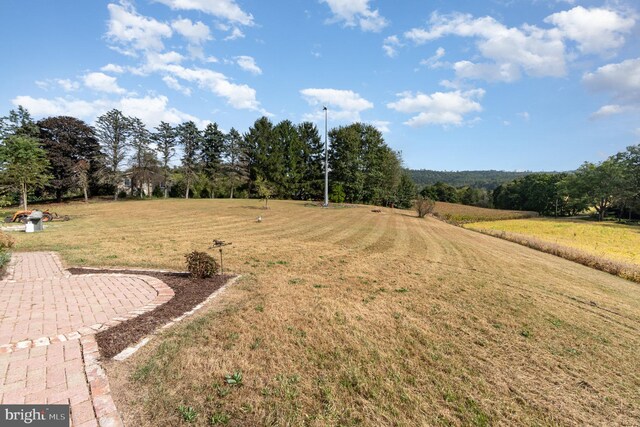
{"type": "Point", "coordinates": [18, 122]}
{"type": "Point", "coordinates": [313, 160]}
{"type": "Point", "coordinates": [289, 167]}
{"type": "Point", "coordinates": [114, 131]}
{"type": "Point", "coordinates": [143, 159]}
{"type": "Point", "coordinates": [258, 145]}
{"type": "Point", "coordinates": [237, 166]}
{"type": "Point", "coordinates": [165, 139]}
{"type": "Point", "coordinates": [345, 161]}
{"type": "Point", "coordinates": [190, 139]}
{"type": "Point", "coordinates": [212, 151]}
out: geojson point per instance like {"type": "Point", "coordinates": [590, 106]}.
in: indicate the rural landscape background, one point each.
{"type": "Point", "coordinates": [477, 262]}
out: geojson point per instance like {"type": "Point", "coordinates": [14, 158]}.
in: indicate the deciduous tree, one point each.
{"type": "Point", "coordinates": [23, 165]}
{"type": "Point", "coordinates": [67, 142]}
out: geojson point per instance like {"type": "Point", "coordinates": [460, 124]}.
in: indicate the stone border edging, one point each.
{"type": "Point", "coordinates": [127, 352]}
{"type": "Point", "coordinates": [104, 407]}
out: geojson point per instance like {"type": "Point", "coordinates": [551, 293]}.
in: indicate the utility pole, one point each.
{"type": "Point", "coordinates": [326, 162]}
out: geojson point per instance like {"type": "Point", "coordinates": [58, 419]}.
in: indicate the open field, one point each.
{"type": "Point", "coordinates": [348, 317]}
{"type": "Point", "coordinates": [602, 239]}
{"type": "Point", "coordinates": [457, 213]}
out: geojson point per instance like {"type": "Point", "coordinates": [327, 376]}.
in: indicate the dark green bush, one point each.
{"type": "Point", "coordinates": [201, 264]}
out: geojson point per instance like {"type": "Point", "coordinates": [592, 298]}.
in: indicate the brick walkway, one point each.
{"type": "Point", "coordinates": [48, 319]}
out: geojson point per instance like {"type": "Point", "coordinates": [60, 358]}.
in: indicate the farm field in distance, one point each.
{"type": "Point", "coordinates": [349, 317]}
{"type": "Point", "coordinates": [603, 239]}
{"type": "Point", "coordinates": [458, 213]}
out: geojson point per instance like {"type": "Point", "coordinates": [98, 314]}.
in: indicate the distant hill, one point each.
{"type": "Point", "coordinates": [489, 179]}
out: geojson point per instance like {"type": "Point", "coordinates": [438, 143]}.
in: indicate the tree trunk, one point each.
{"type": "Point", "coordinates": [24, 196]}
{"type": "Point", "coordinates": [166, 190]}
{"type": "Point", "coordinates": [231, 195]}
{"type": "Point", "coordinates": [58, 195]}
{"type": "Point", "coordinates": [86, 194]}
{"type": "Point", "coordinates": [186, 195]}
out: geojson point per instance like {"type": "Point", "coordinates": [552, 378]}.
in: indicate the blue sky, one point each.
{"type": "Point", "coordinates": [454, 85]}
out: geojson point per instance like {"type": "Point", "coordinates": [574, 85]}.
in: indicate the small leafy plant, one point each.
{"type": "Point", "coordinates": [201, 264]}
{"type": "Point", "coordinates": [187, 413]}
{"type": "Point", "coordinates": [219, 418]}
{"type": "Point", "coordinates": [234, 379]}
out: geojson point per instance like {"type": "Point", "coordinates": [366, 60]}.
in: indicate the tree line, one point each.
{"type": "Point", "coordinates": [63, 156]}
{"type": "Point", "coordinates": [483, 179]}
{"type": "Point", "coordinates": [610, 186]}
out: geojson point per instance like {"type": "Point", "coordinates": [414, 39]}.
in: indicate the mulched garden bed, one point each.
{"type": "Point", "coordinates": [189, 292]}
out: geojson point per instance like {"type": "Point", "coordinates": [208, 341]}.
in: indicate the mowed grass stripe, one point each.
{"type": "Point", "coordinates": [443, 326]}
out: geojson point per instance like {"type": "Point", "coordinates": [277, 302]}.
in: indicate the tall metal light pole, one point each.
{"type": "Point", "coordinates": [326, 162]}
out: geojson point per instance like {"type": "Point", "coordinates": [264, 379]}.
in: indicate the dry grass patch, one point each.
{"type": "Point", "coordinates": [348, 317]}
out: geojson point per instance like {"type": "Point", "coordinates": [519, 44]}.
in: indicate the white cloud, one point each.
{"type": "Point", "coordinates": [610, 110]}
{"type": "Point", "coordinates": [434, 61]}
{"type": "Point", "coordinates": [595, 30]}
{"type": "Point", "coordinates": [382, 125]}
{"type": "Point", "coordinates": [529, 49]}
{"type": "Point", "coordinates": [356, 13]}
{"type": "Point", "coordinates": [621, 79]}
{"type": "Point", "coordinates": [347, 104]}
{"type": "Point", "coordinates": [390, 46]}
{"type": "Point", "coordinates": [509, 52]}
{"type": "Point", "coordinates": [150, 109]}
{"type": "Point", "coordinates": [238, 96]}
{"type": "Point", "coordinates": [134, 31]}
{"type": "Point", "coordinates": [506, 72]}
{"type": "Point", "coordinates": [43, 84]}
{"type": "Point", "coordinates": [43, 107]}
{"type": "Point", "coordinates": [101, 82]}
{"type": "Point", "coordinates": [68, 85]}
{"type": "Point", "coordinates": [175, 85]}
{"type": "Point", "coordinates": [236, 33]}
{"type": "Point", "coordinates": [197, 33]}
{"type": "Point", "coordinates": [525, 116]}
{"type": "Point", "coordinates": [248, 63]}
{"type": "Point", "coordinates": [225, 9]}
{"type": "Point", "coordinates": [439, 108]}
{"type": "Point", "coordinates": [157, 61]}
{"type": "Point", "coordinates": [112, 68]}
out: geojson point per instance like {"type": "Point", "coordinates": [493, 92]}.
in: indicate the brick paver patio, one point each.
{"type": "Point", "coordinates": [48, 319]}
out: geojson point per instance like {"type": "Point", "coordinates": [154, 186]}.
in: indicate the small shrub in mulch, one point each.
{"type": "Point", "coordinates": [189, 292]}
{"type": "Point", "coordinates": [201, 265]}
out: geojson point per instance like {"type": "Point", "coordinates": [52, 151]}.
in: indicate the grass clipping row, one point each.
{"type": "Point", "coordinates": [625, 270]}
